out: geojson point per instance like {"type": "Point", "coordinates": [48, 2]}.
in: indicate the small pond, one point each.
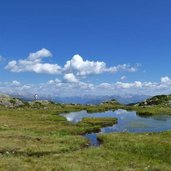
{"type": "Point", "coordinates": [127, 122]}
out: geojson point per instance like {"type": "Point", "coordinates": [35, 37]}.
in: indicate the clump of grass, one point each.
{"type": "Point", "coordinates": [102, 122]}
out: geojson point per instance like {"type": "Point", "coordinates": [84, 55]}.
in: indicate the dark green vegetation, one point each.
{"type": "Point", "coordinates": [102, 122]}
{"type": "Point", "coordinates": [34, 137]}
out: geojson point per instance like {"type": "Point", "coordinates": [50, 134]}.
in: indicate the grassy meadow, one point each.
{"type": "Point", "coordinates": [36, 138]}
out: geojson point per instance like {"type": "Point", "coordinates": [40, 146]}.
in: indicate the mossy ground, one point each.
{"type": "Point", "coordinates": [39, 139]}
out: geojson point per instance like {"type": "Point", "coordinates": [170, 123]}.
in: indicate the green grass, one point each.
{"type": "Point", "coordinates": [102, 122]}
{"type": "Point", "coordinates": [37, 138]}
{"type": "Point", "coordinates": [160, 104]}
{"type": "Point", "coordinates": [149, 110]}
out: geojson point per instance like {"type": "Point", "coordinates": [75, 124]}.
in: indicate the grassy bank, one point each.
{"type": "Point", "coordinates": [149, 110]}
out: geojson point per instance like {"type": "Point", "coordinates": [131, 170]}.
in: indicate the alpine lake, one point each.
{"type": "Point", "coordinates": [126, 122]}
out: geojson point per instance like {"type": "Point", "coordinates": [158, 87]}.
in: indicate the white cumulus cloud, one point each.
{"type": "Point", "coordinates": [15, 83]}
{"type": "Point", "coordinates": [77, 65]}
{"type": "Point", "coordinates": [34, 63]}
{"type": "Point", "coordinates": [70, 77]}
{"type": "Point", "coordinates": [71, 86]}
{"type": "Point", "coordinates": [81, 67]}
{"type": "Point", "coordinates": [85, 67]}
{"type": "Point", "coordinates": [165, 79]}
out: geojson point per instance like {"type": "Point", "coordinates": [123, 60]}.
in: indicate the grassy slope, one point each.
{"type": "Point", "coordinates": [38, 139]}
{"type": "Point", "coordinates": [160, 104]}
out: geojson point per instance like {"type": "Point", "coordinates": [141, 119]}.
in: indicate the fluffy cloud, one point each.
{"type": "Point", "coordinates": [34, 63]}
{"type": "Point", "coordinates": [43, 53]}
{"type": "Point", "coordinates": [15, 83]}
{"type": "Point", "coordinates": [73, 72]}
{"type": "Point", "coordinates": [80, 67]}
{"type": "Point", "coordinates": [70, 77]}
{"type": "Point", "coordinates": [54, 81]}
{"type": "Point", "coordinates": [70, 86]}
{"type": "Point", "coordinates": [16, 88]}
{"type": "Point", "coordinates": [165, 80]}
{"type": "Point", "coordinates": [129, 85]}
{"type": "Point", "coordinates": [77, 65]}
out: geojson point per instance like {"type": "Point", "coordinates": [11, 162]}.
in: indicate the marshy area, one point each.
{"type": "Point", "coordinates": [39, 138]}
{"type": "Point", "coordinates": [120, 121]}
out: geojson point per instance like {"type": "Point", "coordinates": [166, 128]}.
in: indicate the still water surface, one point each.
{"type": "Point", "coordinates": [127, 122]}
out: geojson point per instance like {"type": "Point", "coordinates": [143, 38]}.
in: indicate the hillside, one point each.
{"type": "Point", "coordinates": [159, 100]}
{"type": "Point", "coordinates": [9, 101]}
{"type": "Point", "coordinates": [12, 102]}
{"type": "Point", "coordinates": [112, 101]}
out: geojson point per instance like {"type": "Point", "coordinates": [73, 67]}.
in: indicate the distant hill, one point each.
{"type": "Point", "coordinates": [162, 100]}
{"type": "Point", "coordinates": [112, 101]}
{"type": "Point", "coordinates": [8, 101]}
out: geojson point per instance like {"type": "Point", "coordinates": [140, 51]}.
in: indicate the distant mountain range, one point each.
{"type": "Point", "coordinates": [91, 99]}
{"type": "Point", "coordinates": [100, 99]}
{"type": "Point", "coordinates": [161, 100]}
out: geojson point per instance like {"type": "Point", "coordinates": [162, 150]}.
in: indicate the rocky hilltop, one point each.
{"type": "Point", "coordinates": [11, 102]}
{"type": "Point", "coordinates": [159, 100]}
{"type": "Point", "coordinates": [8, 101]}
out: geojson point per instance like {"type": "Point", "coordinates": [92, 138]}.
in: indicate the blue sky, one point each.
{"type": "Point", "coordinates": [132, 34]}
